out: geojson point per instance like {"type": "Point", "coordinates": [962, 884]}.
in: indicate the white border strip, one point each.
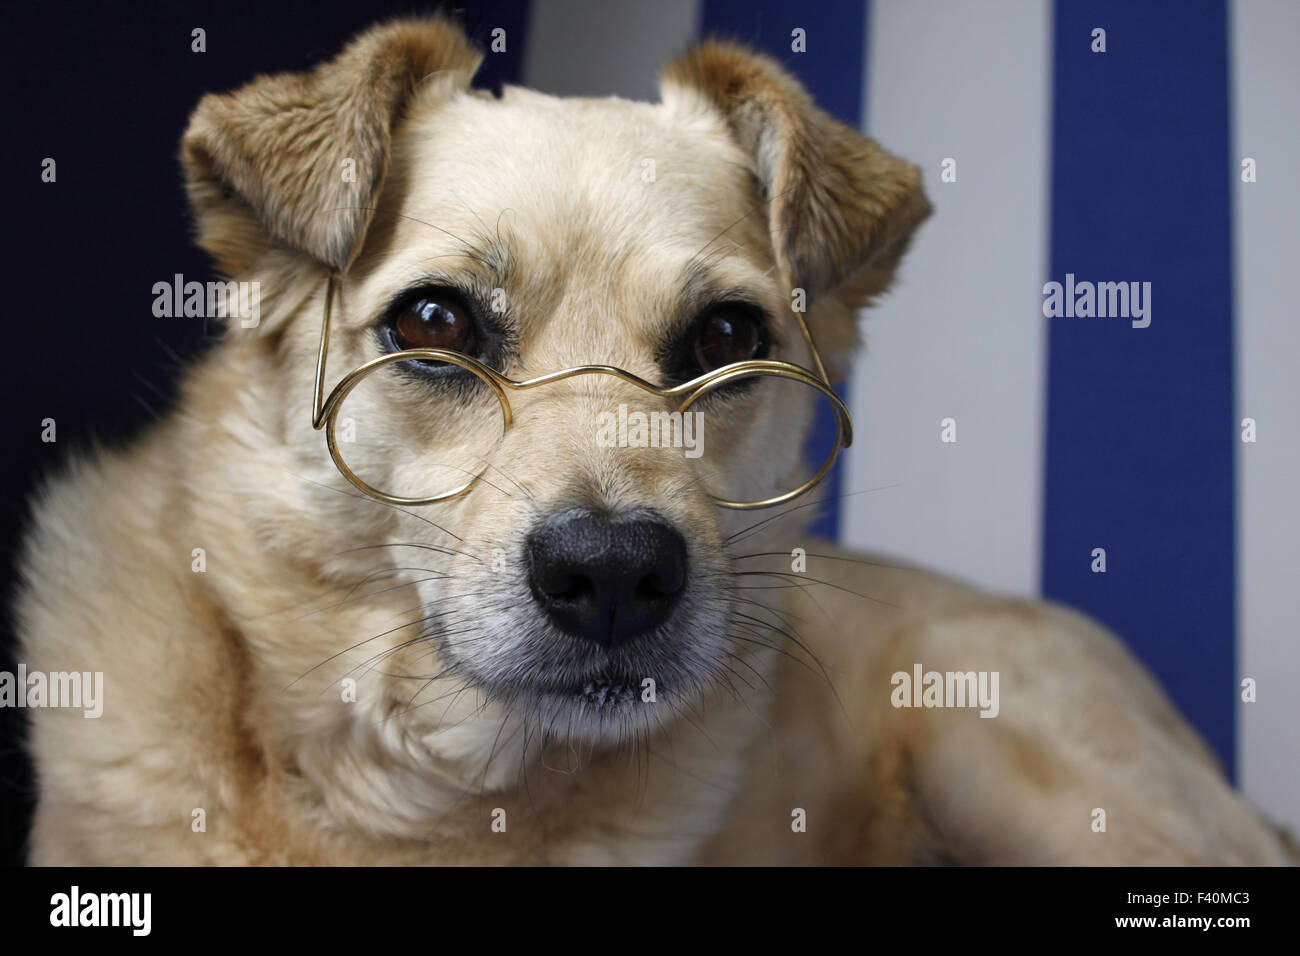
{"type": "Point", "coordinates": [1266, 127]}
{"type": "Point", "coordinates": [962, 335]}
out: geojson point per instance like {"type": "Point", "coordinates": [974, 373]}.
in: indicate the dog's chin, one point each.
{"type": "Point", "coordinates": [604, 702]}
{"type": "Point", "coordinates": [599, 708]}
{"type": "Point", "coordinates": [602, 705]}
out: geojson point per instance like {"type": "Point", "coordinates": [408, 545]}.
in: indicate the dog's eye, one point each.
{"type": "Point", "coordinates": [435, 321]}
{"type": "Point", "coordinates": [729, 334]}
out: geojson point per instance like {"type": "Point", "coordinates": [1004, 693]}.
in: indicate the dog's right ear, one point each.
{"type": "Point", "coordinates": [299, 159]}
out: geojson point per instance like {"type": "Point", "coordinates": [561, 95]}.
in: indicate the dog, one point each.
{"type": "Point", "coordinates": [321, 646]}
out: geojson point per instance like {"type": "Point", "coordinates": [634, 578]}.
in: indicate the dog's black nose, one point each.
{"type": "Point", "coordinates": [606, 580]}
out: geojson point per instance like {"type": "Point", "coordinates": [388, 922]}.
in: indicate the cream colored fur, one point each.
{"type": "Point", "coordinates": [224, 688]}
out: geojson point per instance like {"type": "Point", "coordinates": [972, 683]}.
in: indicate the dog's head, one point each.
{"type": "Point", "coordinates": [536, 234]}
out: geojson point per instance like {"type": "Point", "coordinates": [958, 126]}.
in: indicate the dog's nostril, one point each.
{"type": "Point", "coordinates": [604, 579]}
{"type": "Point", "coordinates": [559, 584]}
{"type": "Point", "coordinates": [659, 585]}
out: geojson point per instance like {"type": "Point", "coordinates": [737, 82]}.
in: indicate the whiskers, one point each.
{"type": "Point", "coordinates": [460, 663]}
{"type": "Point", "coordinates": [755, 528]}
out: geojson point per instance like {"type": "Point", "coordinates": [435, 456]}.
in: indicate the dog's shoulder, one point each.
{"type": "Point", "coordinates": [1083, 757]}
{"type": "Point", "coordinates": [107, 591]}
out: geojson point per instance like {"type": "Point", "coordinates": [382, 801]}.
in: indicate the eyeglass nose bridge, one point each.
{"type": "Point", "coordinates": [694, 390]}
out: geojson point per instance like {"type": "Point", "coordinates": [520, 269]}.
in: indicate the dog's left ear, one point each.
{"type": "Point", "coordinates": [841, 209]}
{"type": "Point", "coordinates": [297, 160]}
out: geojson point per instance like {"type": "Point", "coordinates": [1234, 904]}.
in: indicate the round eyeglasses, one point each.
{"type": "Point", "coordinates": [445, 478]}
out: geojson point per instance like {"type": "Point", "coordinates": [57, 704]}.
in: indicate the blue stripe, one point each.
{"type": "Point", "coordinates": [1139, 445]}
{"type": "Point", "coordinates": [832, 72]}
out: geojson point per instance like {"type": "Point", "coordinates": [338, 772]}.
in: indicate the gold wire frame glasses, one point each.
{"type": "Point", "coordinates": [325, 411]}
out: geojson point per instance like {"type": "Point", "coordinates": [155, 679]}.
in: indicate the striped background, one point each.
{"type": "Point", "coordinates": [1072, 434]}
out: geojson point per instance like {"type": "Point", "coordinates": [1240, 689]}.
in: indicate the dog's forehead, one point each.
{"type": "Point", "coordinates": [567, 179]}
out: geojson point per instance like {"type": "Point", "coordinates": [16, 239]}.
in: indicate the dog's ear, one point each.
{"type": "Point", "coordinates": [840, 208]}
{"type": "Point", "coordinates": [298, 159]}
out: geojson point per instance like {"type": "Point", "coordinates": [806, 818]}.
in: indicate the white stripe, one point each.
{"type": "Point", "coordinates": [595, 48]}
{"type": "Point", "coordinates": [1266, 127]}
{"type": "Point", "coordinates": [962, 335]}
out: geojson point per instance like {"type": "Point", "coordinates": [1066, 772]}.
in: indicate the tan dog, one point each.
{"type": "Point", "coordinates": [296, 672]}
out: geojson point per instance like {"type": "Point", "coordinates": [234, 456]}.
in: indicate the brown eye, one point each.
{"type": "Point", "coordinates": [435, 322]}
{"type": "Point", "coordinates": [729, 335]}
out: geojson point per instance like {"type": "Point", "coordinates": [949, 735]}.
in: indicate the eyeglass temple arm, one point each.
{"type": "Point", "coordinates": [318, 397]}
{"type": "Point", "coordinates": [812, 348]}
{"type": "Point", "coordinates": [846, 427]}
